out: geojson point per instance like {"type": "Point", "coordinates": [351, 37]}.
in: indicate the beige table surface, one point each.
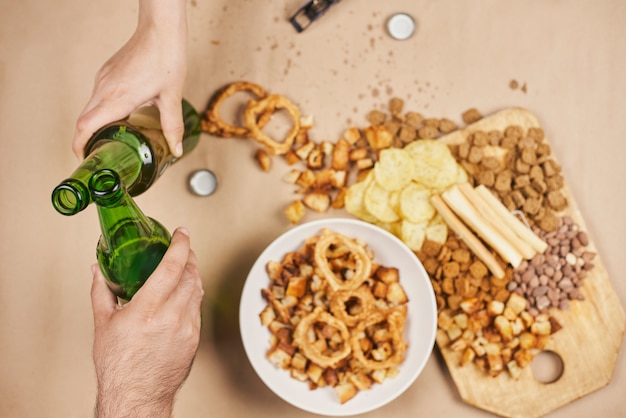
{"type": "Point", "coordinates": [570, 54]}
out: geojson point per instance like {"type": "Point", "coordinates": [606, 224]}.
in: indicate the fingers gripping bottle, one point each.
{"type": "Point", "coordinates": [131, 245]}
{"type": "Point", "coordinates": [134, 147]}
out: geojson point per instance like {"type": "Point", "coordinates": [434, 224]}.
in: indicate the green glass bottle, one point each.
{"type": "Point", "coordinates": [134, 147]}
{"type": "Point", "coordinates": [131, 245]}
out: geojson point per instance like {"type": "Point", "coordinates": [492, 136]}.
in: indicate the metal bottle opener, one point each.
{"type": "Point", "coordinates": [308, 13]}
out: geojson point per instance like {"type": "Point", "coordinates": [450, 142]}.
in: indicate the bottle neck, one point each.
{"type": "Point", "coordinates": [72, 195]}
{"type": "Point", "coordinates": [115, 206]}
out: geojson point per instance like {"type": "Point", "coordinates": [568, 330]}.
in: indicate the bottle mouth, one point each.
{"type": "Point", "coordinates": [70, 197]}
{"type": "Point", "coordinates": [104, 184]}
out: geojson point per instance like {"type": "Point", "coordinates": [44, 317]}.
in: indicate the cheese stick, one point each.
{"type": "Point", "coordinates": [494, 219]}
{"type": "Point", "coordinates": [518, 227]}
{"type": "Point", "coordinates": [467, 236]}
{"type": "Point", "coordinates": [464, 209]}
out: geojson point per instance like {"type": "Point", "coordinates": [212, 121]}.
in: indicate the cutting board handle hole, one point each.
{"type": "Point", "coordinates": [547, 367]}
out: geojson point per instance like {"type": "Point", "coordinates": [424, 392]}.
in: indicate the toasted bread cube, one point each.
{"type": "Point", "coordinates": [364, 163]}
{"type": "Point", "coordinates": [378, 137]}
{"type": "Point", "coordinates": [340, 155]}
{"type": "Point", "coordinates": [461, 320]}
{"type": "Point", "coordinates": [267, 315]}
{"type": "Point", "coordinates": [444, 320]}
{"type": "Point", "coordinates": [541, 328]}
{"type": "Point", "coordinates": [459, 344]}
{"type": "Point", "coordinates": [527, 340]}
{"type": "Point", "coordinates": [345, 391]}
{"type": "Point", "coordinates": [264, 159]}
{"type": "Point", "coordinates": [514, 370]}
{"type": "Point", "coordinates": [296, 286]}
{"type": "Point", "coordinates": [291, 176]}
{"type": "Point", "coordinates": [291, 157]}
{"type": "Point", "coordinates": [295, 211]}
{"type": "Point", "coordinates": [523, 357]}
{"type": "Point", "coordinates": [303, 151]}
{"type": "Point", "coordinates": [314, 372]}
{"type": "Point", "coordinates": [396, 293]}
{"type": "Point", "coordinates": [495, 307]}
{"type": "Point", "coordinates": [495, 364]}
{"type": "Point", "coordinates": [339, 178]}
{"type": "Point", "coordinates": [470, 305]}
{"type": "Point", "coordinates": [278, 357]}
{"type": "Point", "coordinates": [318, 201]}
{"type": "Point", "coordinates": [360, 380]}
{"type": "Point", "coordinates": [352, 135]}
{"type": "Point", "coordinates": [504, 327]}
{"type": "Point", "coordinates": [340, 199]}
{"type": "Point", "coordinates": [306, 179]}
{"type": "Point", "coordinates": [298, 361]}
{"type": "Point", "coordinates": [306, 121]}
{"type": "Point", "coordinates": [516, 303]}
{"type": "Point", "coordinates": [388, 274]}
{"type": "Point", "coordinates": [379, 375]}
{"type": "Point", "coordinates": [299, 375]}
{"type": "Point", "coordinates": [468, 356]}
{"type": "Point", "coordinates": [454, 332]}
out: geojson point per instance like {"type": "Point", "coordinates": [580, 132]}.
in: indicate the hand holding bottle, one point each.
{"type": "Point", "coordinates": [143, 351]}
{"type": "Point", "coordinates": [149, 69]}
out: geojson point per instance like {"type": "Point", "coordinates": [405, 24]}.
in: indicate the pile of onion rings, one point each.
{"type": "Point", "coordinates": [257, 114]}
{"type": "Point", "coordinates": [333, 316]}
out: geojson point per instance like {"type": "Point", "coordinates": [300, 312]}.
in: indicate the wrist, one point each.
{"type": "Point", "coordinates": [121, 404]}
{"type": "Point", "coordinates": [170, 16]}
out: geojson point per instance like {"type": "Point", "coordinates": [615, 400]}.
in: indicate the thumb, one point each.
{"type": "Point", "coordinates": [172, 124]}
{"type": "Point", "coordinates": [103, 301]}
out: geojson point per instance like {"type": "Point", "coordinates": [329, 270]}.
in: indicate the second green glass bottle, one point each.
{"type": "Point", "coordinates": [131, 245]}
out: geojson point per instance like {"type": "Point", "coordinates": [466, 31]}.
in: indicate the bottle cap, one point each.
{"type": "Point", "coordinates": [401, 26]}
{"type": "Point", "coordinates": [202, 182]}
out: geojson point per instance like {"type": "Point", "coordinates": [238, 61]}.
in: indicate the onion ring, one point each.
{"type": "Point", "coordinates": [338, 305]}
{"type": "Point", "coordinates": [363, 261]}
{"type": "Point", "coordinates": [310, 350]}
{"type": "Point", "coordinates": [395, 321]}
{"type": "Point", "coordinates": [212, 123]}
{"type": "Point", "coordinates": [256, 109]}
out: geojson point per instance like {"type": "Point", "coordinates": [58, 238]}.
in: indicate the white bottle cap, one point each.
{"type": "Point", "coordinates": [401, 26]}
{"type": "Point", "coordinates": [202, 182]}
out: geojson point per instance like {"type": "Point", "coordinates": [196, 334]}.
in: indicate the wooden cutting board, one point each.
{"type": "Point", "coordinates": [587, 345]}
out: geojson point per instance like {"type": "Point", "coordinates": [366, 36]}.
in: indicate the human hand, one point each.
{"type": "Point", "coordinates": [143, 350]}
{"type": "Point", "coordinates": [149, 69]}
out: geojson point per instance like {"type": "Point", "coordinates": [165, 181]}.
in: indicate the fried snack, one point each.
{"type": "Point", "coordinates": [272, 102]}
{"type": "Point", "coordinates": [395, 194]}
{"type": "Point", "coordinates": [385, 356]}
{"type": "Point", "coordinates": [347, 339]}
{"type": "Point", "coordinates": [306, 327]}
{"type": "Point", "coordinates": [343, 307]}
{"type": "Point", "coordinates": [348, 279]}
{"type": "Point", "coordinates": [214, 124]}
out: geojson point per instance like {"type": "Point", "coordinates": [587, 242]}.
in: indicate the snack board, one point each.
{"type": "Point", "coordinates": [588, 344]}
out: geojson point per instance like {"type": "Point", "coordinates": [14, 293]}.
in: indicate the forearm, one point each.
{"type": "Point", "coordinates": [168, 17]}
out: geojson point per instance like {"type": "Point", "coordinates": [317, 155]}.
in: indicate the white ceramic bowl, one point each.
{"type": "Point", "coordinates": [420, 327]}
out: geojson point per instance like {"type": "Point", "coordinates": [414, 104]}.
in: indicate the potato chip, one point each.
{"type": "Point", "coordinates": [437, 232]}
{"type": "Point", "coordinates": [413, 234]}
{"type": "Point", "coordinates": [415, 204]}
{"type": "Point", "coordinates": [354, 199]}
{"type": "Point", "coordinates": [461, 176]}
{"type": "Point", "coordinates": [394, 169]}
{"type": "Point", "coordinates": [377, 202]}
{"type": "Point", "coordinates": [435, 167]}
